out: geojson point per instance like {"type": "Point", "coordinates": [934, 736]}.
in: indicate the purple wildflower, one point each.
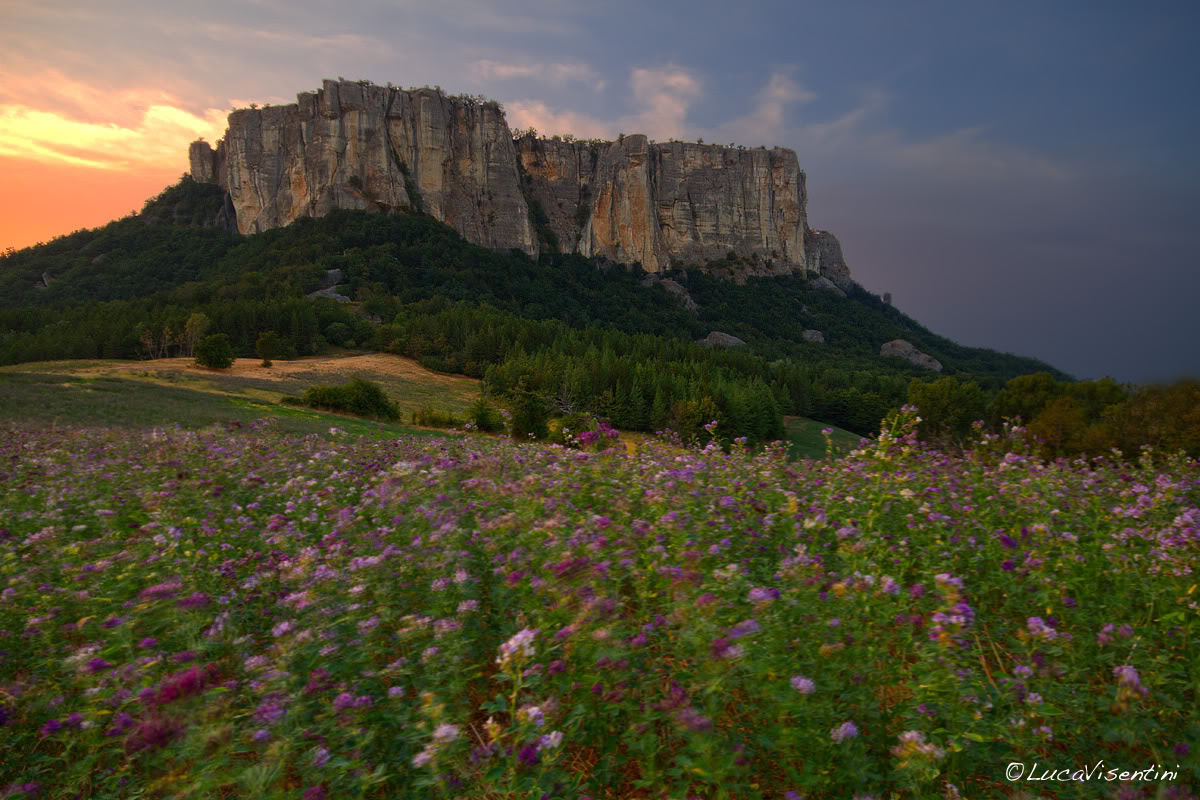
{"type": "Point", "coordinates": [803, 685]}
{"type": "Point", "coordinates": [320, 757]}
{"type": "Point", "coordinates": [194, 600]}
{"type": "Point", "coordinates": [693, 720]}
{"type": "Point", "coordinates": [528, 755]}
{"type": "Point", "coordinates": [747, 627]}
{"type": "Point", "coordinates": [97, 665]}
{"type": "Point", "coordinates": [847, 730]}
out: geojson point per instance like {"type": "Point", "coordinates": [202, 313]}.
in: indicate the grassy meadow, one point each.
{"type": "Point", "coordinates": [175, 391]}
{"type": "Point", "coordinates": [237, 611]}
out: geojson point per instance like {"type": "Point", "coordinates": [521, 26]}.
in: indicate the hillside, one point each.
{"type": "Point", "coordinates": [99, 294]}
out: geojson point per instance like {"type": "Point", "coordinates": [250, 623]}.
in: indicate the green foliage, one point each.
{"type": "Point", "coordinates": [215, 352]}
{"type": "Point", "coordinates": [338, 333]}
{"type": "Point", "coordinates": [1166, 418]}
{"type": "Point", "coordinates": [485, 416]}
{"type": "Point", "coordinates": [530, 413]}
{"type": "Point", "coordinates": [948, 408]}
{"type": "Point", "coordinates": [432, 418]}
{"type": "Point", "coordinates": [268, 347]}
{"type": "Point", "coordinates": [360, 396]}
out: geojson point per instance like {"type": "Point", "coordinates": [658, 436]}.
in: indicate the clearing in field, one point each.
{"type": "Point", "coordinates": [175, 390]}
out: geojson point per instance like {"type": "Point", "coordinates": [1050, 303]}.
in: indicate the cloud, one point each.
{"type": "Point", "coordinates": [554, 74]}
{"type": "Point", "coordinates": [288, 41]}
{"type": "Point", "coordinates": [143, 128]}
{"type": "Point", "coordinates": [661, 98]}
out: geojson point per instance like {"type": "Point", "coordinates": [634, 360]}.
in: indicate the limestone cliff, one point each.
{"type": "Point", "coordinates": [361, 146]}
{"type": "Point", "coordinates": [670, 204]}
{"type": "Point", "coordinates": [371, 147]}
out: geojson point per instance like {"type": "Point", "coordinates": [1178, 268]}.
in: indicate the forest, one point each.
{"type": "Point", "coordinates": [585, 335]}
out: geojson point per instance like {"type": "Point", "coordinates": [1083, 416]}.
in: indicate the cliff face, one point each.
{"type": "Point", "coordinates": [670, 204]}
{"type": "Point", "coordinates": [374, 148]}
{"type": "Point", "coordinates": [370, 147]}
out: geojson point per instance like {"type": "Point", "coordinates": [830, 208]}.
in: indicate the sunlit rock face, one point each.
{"type": "Point", "coordinates": [356, 146]}
{"type": "Point", "coordinates": [670, 204]}
{"type": "Point", "coordinates": [664, 205]}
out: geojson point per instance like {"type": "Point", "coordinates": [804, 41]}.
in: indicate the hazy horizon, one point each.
{"type": "Point", "coordinates": [1019, 178]}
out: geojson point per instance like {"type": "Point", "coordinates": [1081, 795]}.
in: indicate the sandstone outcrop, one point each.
{"type": "Point", "coordinates": [899, 348]}
{"type": "Point", "coordinates": [356, 145]}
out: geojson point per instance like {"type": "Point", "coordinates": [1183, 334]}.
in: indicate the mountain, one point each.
{"type": "Point", "coordinates": [357, 145]}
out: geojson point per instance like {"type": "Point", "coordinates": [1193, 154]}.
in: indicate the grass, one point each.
{"type": "Point", "coordinates": [169, 391]}
{"type": "Point", "coordinates": [805, 439]}
{"type": "Point", "coordinates": [52, 398]}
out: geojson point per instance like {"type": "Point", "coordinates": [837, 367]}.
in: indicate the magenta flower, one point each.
{"type": "Point", "coordinates": [195, 600]}
{"type": "Point", "coordinates": [152, 733]}
{"type": "Point", "coordinates": [160, 591]}
{"type": "Point", "coordinates": [97, 665]}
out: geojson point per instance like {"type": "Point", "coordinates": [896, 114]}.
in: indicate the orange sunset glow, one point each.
{"type": "Point", "coordinates": [74, 156]}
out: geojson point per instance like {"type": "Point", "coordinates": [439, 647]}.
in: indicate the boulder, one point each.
{"type": "Point", "coordinates": [899, 348]}
{"type": "Point", "coordinates": [719, 339]}
{"type": "Point", "coordinates": [814, 336]}
{"type": "Point", "coordinates": [679, 291]}
{"type": "Point", "coordinates": [331, 293]}
{"type": "Point", "coordinates": [821, 282]}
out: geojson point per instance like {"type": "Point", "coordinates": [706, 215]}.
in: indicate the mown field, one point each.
{"type": "Point", "coordinates": [240, 611]}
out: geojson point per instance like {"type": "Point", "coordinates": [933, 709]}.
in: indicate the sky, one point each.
{"type": "Point", "coordinates": [1018, 175]}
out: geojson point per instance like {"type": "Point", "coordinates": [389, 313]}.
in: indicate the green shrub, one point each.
{"type": "Point", "coordinates": [268, 347]}
{"type": "Point", "coordinates": [338, 333]}
{"type": "Point", "coordinates": [432, 418]}
{"type": "Point", "coordinates": [215, 352]}
{"type": "Point", "coordinates": [361, 397]}
{"type": "Point", "coordinates": [530, 414]}
{"type": "Point", "coordinates": [485, 416]}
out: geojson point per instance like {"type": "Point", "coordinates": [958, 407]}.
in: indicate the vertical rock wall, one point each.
{"type": "Point", "coordinates": [361, 146]}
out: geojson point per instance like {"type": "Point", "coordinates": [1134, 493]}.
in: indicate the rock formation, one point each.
{"type": "Point", "coordinates": [811, 335]}
{"type": "Point", "coordinates": [720, 339]}
{"type": "Point", "coordinates": [361, 146]}
{"type": "Point", "coordinates": [670, 204]}
{"type": "Point", "coordinates": [825, 257]}
{"type": "Point", "coordinates": [350, 145]}
{"type": "Point", "coordinates": [899, 348]}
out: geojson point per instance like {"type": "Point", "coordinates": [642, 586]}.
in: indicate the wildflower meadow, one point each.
{"type": "Point", "coordinates": [236, 612]}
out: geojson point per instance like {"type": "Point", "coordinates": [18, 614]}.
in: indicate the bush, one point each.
{"type": "Point", "coordinates": [268, 347]}
{"type": "Point", "coordinates": [361, 397]}
{"type": "Point", "coordinates": [485, 416]}
{"type": "Point", "coordinates": [215, 352]}
{"type": "Point", "coordinates": [531, 415]}
{"type": "Point", "coordinates": [338, 333]}
{"type": "Point", "coordinates": [432, 418]}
